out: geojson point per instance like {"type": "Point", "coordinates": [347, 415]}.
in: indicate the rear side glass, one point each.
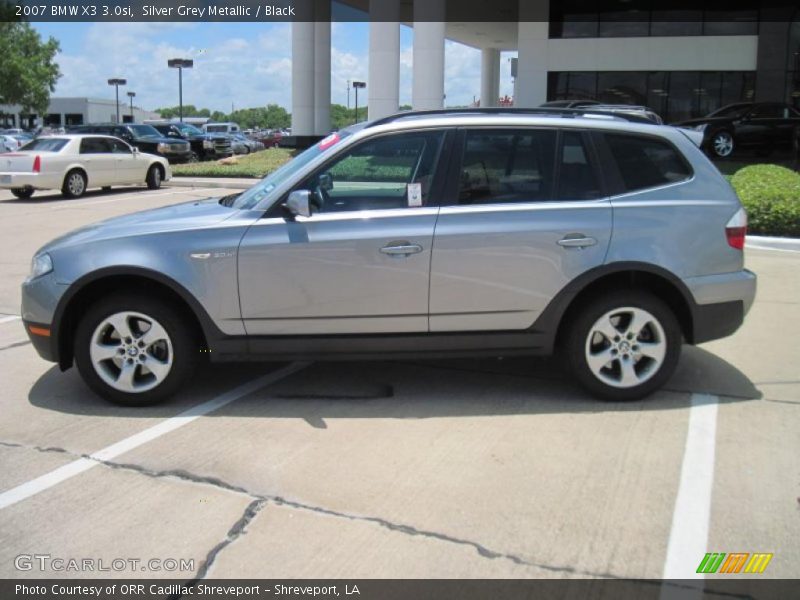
{"type": "Point", "coordinates": [577, 178]}
{"type": "Point", "coordinates": [645, 162]}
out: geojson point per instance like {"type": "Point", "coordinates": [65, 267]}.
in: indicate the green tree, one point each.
{"type": "Point", "coordinates": [28, 71]}
{"type": "Point", "coordinates": [189, 110]}
{"type": "Point", "coordinates": [342, 117]}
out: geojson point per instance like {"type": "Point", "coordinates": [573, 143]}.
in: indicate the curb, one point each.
{"type": "Point", "coordinates": [759, 242]}
{"type": "Point", "coordinates": [231, 184]}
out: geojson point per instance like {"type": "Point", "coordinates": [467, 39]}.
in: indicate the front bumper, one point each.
{"type": "Point", "coordinates": [178, 157]}
{"type": "Point", "coordinates": [40, 298]}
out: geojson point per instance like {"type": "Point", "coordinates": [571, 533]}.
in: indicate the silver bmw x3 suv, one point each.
{"type": "Point", "coordinates": [607, 241]}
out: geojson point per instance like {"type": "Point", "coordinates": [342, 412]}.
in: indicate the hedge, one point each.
{"type": "Point", "coordinates": [771, 196]}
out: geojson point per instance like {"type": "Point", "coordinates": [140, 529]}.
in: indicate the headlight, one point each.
{"type": "Point", "coordinates": [208, 144]}
{"type": "Point", "coordinates": [700, 127]}
{"type": "Point", "coordinates": [40, 265]}
{"type": "Point", "coordinates": [162, 147]}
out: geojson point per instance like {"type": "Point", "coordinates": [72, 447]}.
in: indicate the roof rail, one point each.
{"type": "Point", "coordinates": [562, 112]}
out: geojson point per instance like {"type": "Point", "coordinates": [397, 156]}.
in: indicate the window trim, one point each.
{"type": "Point", "coordinates": [438, 186]}
{"type": "Point", "coordinates": [617, 186]}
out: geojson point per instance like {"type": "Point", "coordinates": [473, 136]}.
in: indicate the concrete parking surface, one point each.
{"type": "Point", "coordinates": [468, 468]}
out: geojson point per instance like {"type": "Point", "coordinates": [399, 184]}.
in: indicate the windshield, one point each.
{"type": "Point", "coordinates": [45, 144]}
{"type": "Point", "coordinates": [144, 131]}
{"type": "Point", "coordinates": [217, 128]}
{"type": "Point", "coordinates": [258, 192]}
{"type": "Point", "coordinates": [732, 110]}
{"type": "Point", "coordinates": [188, 129]}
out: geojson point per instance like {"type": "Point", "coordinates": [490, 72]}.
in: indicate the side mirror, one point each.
{"type": "Point", "coordinates": [135, 149]}
{"type": "Point", "coordinates": [299, 203]}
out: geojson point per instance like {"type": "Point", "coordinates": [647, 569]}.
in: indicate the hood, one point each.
{"type": "Point", "coordinates": [188, 215]}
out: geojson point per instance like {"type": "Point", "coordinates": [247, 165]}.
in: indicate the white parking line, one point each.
{"type": "Point", "coordinates": [688, 537]}
{"type": "Point", "coordinates": [9, 318]}
{"type": "Point", "coordinates": [76, 467]}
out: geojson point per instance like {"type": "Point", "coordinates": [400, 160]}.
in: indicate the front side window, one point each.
{"type": "Point", "coordinates": [646, 162]}
{"type": "Point", "coordinates": [119, 147]}
{"type": "Point", "coordinates": [507, 166]}
{"type": "Point", "coordinates": [393, 171]}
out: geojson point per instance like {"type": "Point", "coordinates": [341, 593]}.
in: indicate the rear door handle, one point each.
{"type": "Point", "coordinates": [401, 249]}
{"type": "Point", "coordinates": [576, 240]}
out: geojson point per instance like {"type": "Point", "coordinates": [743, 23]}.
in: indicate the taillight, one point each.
{"type": "Point", "coordinates": [736, 229]}
{"type": "Point", "coordinates": [37, 164]}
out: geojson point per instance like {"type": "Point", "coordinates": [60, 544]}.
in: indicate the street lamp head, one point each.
{"type": "Point", "coordinates": [359, 84]}
{"type": "Point", "coordinates": [131, 94]}
{"type": "Point", "coordinates": [117, 81]}
{"type": "Point", "coordinates": [180, 63]}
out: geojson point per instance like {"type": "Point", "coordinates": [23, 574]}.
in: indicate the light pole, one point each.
{"type": "Point", "coordinates": [131, 95]}
{"type": "Point", "coordinates": [358, 85]}
{"type": "Point", "coordinates": [180, 64]}
{"type": "Point", "coordinates": [116, 82]}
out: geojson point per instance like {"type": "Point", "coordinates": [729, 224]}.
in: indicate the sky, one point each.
{"type": "Point", "coordinates": [238, 65]}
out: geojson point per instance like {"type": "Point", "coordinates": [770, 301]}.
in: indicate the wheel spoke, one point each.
{"type": "Point", "coordinates": [629, 378]}
{"type": "Point", "coordinates": [125, 381]}
{"type": "Point", "coordinates": [158, 368]}
{"type": "Point", "coordinates": [100, 352]}
{"type": "Point", "coordinates": [606, 328]}
{"type": "Point", "coordinates": [654, 350]}
{"type": "Point", "coordinates": [600, 359]}
{"type": "Point", "coordinates": [120, 324]}
{"type": "Point", "coordinates": [638, 321]}
{"type": "Point", "coordinates": [156, 333]}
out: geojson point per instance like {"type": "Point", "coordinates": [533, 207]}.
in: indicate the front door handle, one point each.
{"type": "Point", "coordinates": [401, 249]}
{"type": "Point", "coordinates": [576, 240]}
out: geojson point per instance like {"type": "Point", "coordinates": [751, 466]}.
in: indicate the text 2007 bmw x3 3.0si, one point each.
{"type": "Point", "coordinates": [448, 233]}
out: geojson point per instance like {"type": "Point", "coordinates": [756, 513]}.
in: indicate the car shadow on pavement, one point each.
{"type": "Point", "coordinates": [50, 197]}
{"type": "Point", "coordinates": [405, 389]}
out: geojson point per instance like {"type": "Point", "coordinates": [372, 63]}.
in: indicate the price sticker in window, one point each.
{"type": "Point", "coordinates": [415, 194]}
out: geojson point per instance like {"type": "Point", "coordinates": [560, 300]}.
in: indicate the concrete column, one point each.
{"type": "Point", "coordinates": [490, 77]}
{"type": "Point", "coordinates": [428, 79]}
{"type": "Point", "coordinates": [383, 85]}
{"type": "Point", "coordinates": [303, 78]}
{"type": "Point", "coordinates": [532, 44]}
{"type": "Point", "coordinates": [322, 67]}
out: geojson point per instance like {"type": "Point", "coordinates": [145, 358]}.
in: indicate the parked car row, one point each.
{"type": "Point", "coordinates": [75, 163]}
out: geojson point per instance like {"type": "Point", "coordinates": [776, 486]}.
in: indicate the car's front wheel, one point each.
{"type": "Point", "coordinates": [134, 350]}
{"type": "Point", "coordinates": [623, 345]}
{"type": "Point", "coordinates": [154, 177]}
{"type": "Point", "coordinates": [22, 193]}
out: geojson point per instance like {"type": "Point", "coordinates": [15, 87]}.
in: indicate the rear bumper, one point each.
{"type": "Point", "coordinates": [722, 301]}
{"type": "Point", "coordinates": [14, 181]}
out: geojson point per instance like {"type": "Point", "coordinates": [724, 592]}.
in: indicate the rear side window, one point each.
{"type": "Point", "coordinates": [645, 162]}
{"type": "Point", "coordinates": [507, 166]}
{"type": "Point", "coordinates": [95, 146]}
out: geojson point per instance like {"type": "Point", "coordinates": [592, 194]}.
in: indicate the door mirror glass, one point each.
{"type": "Point", "coordinates": [299, 203]}
{"type": "Point", "coordinates": [135, 150]}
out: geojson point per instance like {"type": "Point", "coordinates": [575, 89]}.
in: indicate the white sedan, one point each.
{"type": "Point", "coordinates": [74, 163]}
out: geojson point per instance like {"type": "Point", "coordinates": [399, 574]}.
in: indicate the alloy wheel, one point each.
{"type": "Point", "coordinates": [723, 144]}
{"type": "Point", "coordinates": [131, 352]}
{"type": "Point", "coordinates": [625, 347]}
{"type": "Point", "coordinates": [76, 184]}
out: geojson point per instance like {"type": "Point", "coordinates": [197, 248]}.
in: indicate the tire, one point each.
{"type": "Point", "coordinates": [117, 367]}
{"type": "Point", "coordinates": [74, 184]}
{"type": "Point", "coordinates": [599, 330]}
{"type": "Point", "coordinates": [193, 158]}
{"type": "Point", "coordinates": [721, 144]}
{"type": "Point", "coordinates": [153, 179]}
{"type": "Point", "coordinates": [22, 193]}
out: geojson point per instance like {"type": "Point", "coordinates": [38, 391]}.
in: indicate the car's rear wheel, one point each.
{"type": "Point", "coordinates": [623, 345]}
{"type": "Point", "coordinates": [74, 184]}
{"type": "Point", "coordinates": [722, 144]}
{"type": "Point", "coordinates": [154, 177]}
{"type": "Point", "coordinates": [22, 193]}
{"type": "Point", "coordinates": [134, 350]}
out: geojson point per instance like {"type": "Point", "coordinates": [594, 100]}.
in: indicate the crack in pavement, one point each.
{"type": "Point", "coordinates": [260, 501]}
{"type": "Point", "coordinates": [15, 345]}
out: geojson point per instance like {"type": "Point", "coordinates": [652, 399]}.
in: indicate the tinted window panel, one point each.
{"type": "Point", "coordinates": [577, 178]}
{"type": "Point", "coordinates": [95, 146]}
{"type": "Point", "coordinates": [376, 174]}
{"type": "Point", "coordinates": [507, 166]}
{"type": "Point", "coordinates": [646, 162]}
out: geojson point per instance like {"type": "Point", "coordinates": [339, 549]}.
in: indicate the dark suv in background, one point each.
{"type": "Point", "coordinates": [145, 137]}
{"type": "Point", "coordinates": [205, 146]}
